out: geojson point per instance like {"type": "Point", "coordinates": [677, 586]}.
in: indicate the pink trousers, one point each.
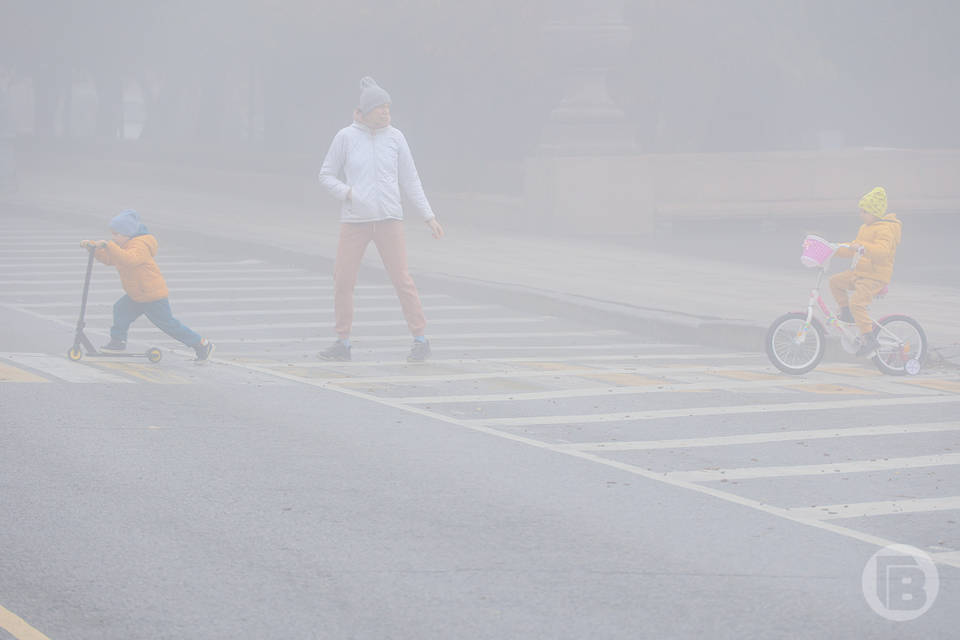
{"type": "Point", "coordinates": [389, 238]}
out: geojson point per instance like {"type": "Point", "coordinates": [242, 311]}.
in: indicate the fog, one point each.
{"type": "Point", "coordinates": [473, 83]}
{"type": "Point", "coordinates": [616, 195]}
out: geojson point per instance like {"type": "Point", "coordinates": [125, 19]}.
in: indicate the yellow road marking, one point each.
{"type": "Point", "coordinates": [626, 380]}
{"type": "Point", "coordinates": [10, 373]}
{"type": "Point", "coordinates": [554, 366]}
{"type": "Point", "coordinates": [148, 372]}
{"type": "Point", "coordinates": [831, 389]}
{"type": "Point", "coordinates": [745, 375]}
{"type": "Point", "coordinates": [315, 374]}
{"type": "Point", "coordinates": [18, 627]}
{"type": "Point", "coordinates": [860, 372]}
{"type": "Point", "coordinates": [940, 385]}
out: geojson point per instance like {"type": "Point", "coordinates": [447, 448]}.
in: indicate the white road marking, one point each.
{"type": "Point", "coordinates": [536, 359]}
{"type": "Point", "coordinates": [882, 508]}
{"type": "Point", "coordinates": [360, 343]}
{"type": "Point", "coordinates": [598, 392]}
{"type": "Point", "coordinates": [446, 348]}
{"type": "Point", "coordinates": [947, 557]}
{"type": "Point", "coordinates": [62, 368]}
{"type": "Point", "coordinates": [758, 438]}
{"type": "Point", "coordinates": [367, 323]}
{"type": "Point", "coordinates": [167, 272]}
{"type": "Point", "coordinates": [952, 559]}
{"type": "Point", "coordinates": [175, 280]}
{"type": "Point", "coordinates": [164, 264]}
{"type": "Point", "coordinates": [593, 418]}
{"type": "Point", "coordinates": [858, 466]}
{"type": "Point", "coordinates": [177, 290]}
{"type": "Point", "coordinates": [514, 373]}
{"type": "Point", "coordinates": [277, 299]}
{"type": "Point", "coordinates": [320, 311]}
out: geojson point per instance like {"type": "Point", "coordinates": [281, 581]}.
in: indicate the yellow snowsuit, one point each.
{"type": "Point", "coordinates": [872, 271]}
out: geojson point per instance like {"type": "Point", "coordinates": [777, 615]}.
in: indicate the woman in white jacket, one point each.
{"type": "Point", "coordinates": [368, 166]}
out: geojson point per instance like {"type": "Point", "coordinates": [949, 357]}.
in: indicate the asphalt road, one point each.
{"type": "Point", "coordinates": [538, 478]}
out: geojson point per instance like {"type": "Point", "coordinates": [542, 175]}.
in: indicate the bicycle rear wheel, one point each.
{"type": "Point", "coordinates": [901, 339]}
{"type": "Point", "coordinates": [794, 346]}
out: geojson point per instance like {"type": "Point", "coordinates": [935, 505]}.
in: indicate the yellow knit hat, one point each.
{"type": "Point", "coordinates": [875, 202]}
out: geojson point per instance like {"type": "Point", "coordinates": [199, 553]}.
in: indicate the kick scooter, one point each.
{"type": "Point", "coordinates": [80, 339]}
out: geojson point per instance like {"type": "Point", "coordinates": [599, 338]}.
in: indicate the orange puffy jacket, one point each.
{"type": "Point", "coordinates": [139, 274]}
{"type": "Point", "coordinates": [879, 239]}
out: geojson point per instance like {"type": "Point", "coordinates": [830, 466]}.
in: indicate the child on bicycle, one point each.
{"type": "Point", "coordinates": [876, 245]}
{"type": "Point", "coordinates": [131, 251]}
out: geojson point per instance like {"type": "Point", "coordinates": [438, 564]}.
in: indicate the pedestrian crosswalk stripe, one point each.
{"type": "Point", "coordinates": [181, 289]}
{"type": "Point", "coordinates": [660, 386]}
{"type": "Point", "coordinates": [361, 342]}
{"type": "Point", "coordinates": [880, 508]}
{"type": "Point", "coordinates": [60, 367]}
{"type": "Point", "coordinates": [364, 323]}
{"type": "Point", "coordinates": [831, 389]}
{"type": "Point", "coordinates": [859, 466]}
{"type": "Point", "coordinates": [192, 301]}
{"type": "Point", "coordinates": [177, 279]}
{"type": "Point", "coordinates": [39, 274]}
{"type": "Point", "coordinates": [10, 373]}
{"type": "Point", "coordinates": [556, 362]}
{"type": "Point", "coordinates": [510, 374]}
{"type": "Point", "coordinates": [760, 438]}
{"type": "Point", "coordinates": [593, 418]}
{"type": "Point", "coordinates": [320, 311]}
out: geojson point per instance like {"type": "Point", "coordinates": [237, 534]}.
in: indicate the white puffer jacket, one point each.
{"type": "Point", "coordinates": [376, 164]}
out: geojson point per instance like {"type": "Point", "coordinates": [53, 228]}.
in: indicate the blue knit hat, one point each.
{"type": "Point", "coordinates": [128, 223]}
{"type": "Point", "coordinates": [372, 95]}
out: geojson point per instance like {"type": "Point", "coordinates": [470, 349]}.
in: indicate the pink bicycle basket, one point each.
{"type": "Point", "coordinates": [816, 251]}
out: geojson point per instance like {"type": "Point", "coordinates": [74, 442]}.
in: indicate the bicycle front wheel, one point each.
{"type": "Point", "coordinates": [901, 339]}
{"type": "Point", "coordinates": [794, 346]}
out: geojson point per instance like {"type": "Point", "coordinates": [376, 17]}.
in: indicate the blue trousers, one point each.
{"type": "Point", "coordinates": [125, 311]}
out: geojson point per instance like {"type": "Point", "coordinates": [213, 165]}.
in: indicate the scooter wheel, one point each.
{"type": "Point", "coordinates": [75, 353]}
{"type": "Point", "coordinates": [154, 355]}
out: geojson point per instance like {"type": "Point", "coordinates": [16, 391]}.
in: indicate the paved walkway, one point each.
{"type": "Point", "coordinates": [707, 296]}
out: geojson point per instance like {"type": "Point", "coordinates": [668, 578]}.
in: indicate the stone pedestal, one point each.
{"type": "Point", "coordinates": [586, 174]}
{"type": "Point", "coordinates": [590, 193]}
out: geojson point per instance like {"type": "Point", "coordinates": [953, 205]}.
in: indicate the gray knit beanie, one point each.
{"type": "Point", "coordinates": [372, 95]}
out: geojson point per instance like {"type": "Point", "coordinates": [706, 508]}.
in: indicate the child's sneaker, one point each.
{"type": "Point", "coordinates": [338, 352]}
{"type": "Point", "coordinates": [204, 349]}
{"type": "Point", "coordinates": [869, 347]}
{"type": "Point", "coordinates": [115, 346]}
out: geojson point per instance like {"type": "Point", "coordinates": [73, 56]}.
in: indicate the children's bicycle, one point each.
{"type": "Point", "coordinates": [796, 341]}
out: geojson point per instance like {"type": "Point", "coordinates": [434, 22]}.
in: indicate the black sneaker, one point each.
{"type": "Point", "coordinates": [845, 315]}
{"type": "Point", "coordinates": [419, 352]}
{"type": "Point", "coordinates": [869, 347]}
{"type": "Point", "coordinates": [337, 351]}
{"type": "Point", "coordinates": [115, 346]}
{"type": "Point", "coordinates": [204, 349]}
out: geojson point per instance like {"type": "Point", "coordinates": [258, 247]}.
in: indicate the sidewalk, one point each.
{"type": "Point", "coordinates": [676, 297]}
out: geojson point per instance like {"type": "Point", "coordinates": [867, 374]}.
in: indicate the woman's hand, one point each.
{"type": "Point", "coordinates": [435, 228]}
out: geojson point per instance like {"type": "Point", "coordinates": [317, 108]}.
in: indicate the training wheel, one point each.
{"type": "Point", "coordinates": [154, 355]}
{"type": "Point", "coordinates": [75, 353]}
